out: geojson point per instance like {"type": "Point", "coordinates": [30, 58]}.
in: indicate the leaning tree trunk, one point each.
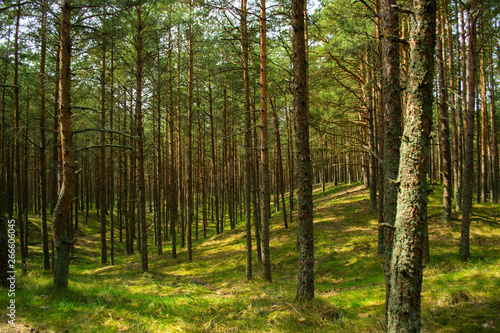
{"type": "Point", "coordinates": [403, 314]}
{"type": "Point", "coordinates": [305, 239]}
{"type": "Point", "coordinates": [61, 212]}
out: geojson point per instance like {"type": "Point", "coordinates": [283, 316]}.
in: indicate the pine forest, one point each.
{"type": "Point", "coordinates": [249, 166]}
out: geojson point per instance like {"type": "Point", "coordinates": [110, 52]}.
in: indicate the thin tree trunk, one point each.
{"type": "Point", "coordinates": [380, 139]}
{"type": "Point", "coordinates": [495, 170]}
{"type": "Point", "coordinates": [255, 189]}
{"type": "Point", "coordinates": [102, 159]}
{"type": "Point", "coordinates": [469, 132]}
{"type": "Point", "coordinates": [280, 180]}
{"type": "Point", "coordinates": [305, 238]}
{"type": "Point", "coordinates": [43, 167]}
{"type": "Point", "coordinates": [111, 178]}
{"type": "Point", "coordinates": [179, 147]}
{"type": "Point", "coordinates": [265, 211]}
{"type": "Point", "coordinates": [213, 158]}
{"type": "Point", "coordinates": [190, 144]}
{"type": "Point", "coordinates": [484, 117]}
{"type": "Point", "coordinates": [17, 136]}
{"type": "Point", "coordinates": [248, 142]}
{"type": "Point", "coordinates": [140, 161]}
{"type": "Point", "coordinates": [457, 173]}
{"type": "Point", "coordinates": [444, 130]}
{"type": "Point", "coordinates": [159, 169]}
{"type": "Point", "coordinates": [174, 213]}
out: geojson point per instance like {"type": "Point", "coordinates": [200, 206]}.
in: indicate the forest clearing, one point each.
{"type": "Point", "coordinates": [212, 295]}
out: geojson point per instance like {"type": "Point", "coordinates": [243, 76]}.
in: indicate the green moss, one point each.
{"type": "Point", "coordinates": [212, 294]}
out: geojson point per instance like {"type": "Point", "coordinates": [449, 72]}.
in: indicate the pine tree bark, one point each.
{"type": "Point", "coordinates": [158, 174]}
{"type": "Point", "coordinates": [484, 116]}
{"type": "Point", "coordinates": [179, 149]}
{"type": "Point", "coordinates": [17, 137]}
{"type": "Point", "coordinates": [444, 130]}
{"type": "Point", "coordinates": [174, 212]}
{"type": "Point", "coordinates": [264, 154]}
{"type": "Point", "coordinates": [495, 169]}
{"type": "Point", "coordinates": [305, 236]}
{"type": "Point", "coordinates": [102, 159]}
{"type": "Point", "coordinates": [43, 164]}
{"type": "Point", "coordinates": [469, 131]}
{"type": "Point", "coordinates": [60, 228]}
{"type": "Point", "coordinates": [407, 260]}
{"type": "Point", "coordinates": [380, 136]}
{"type": "Point", "coordinates": [457, 172]}
{"type": "Point", "coordinates": [213, 158]}
{"type": "Point", "coordinates": [141, 184]}
{"type": "Point", "coordinates": [189, 182]}
{"type": "Point", "coordinates": [392, 126]}
{"type": "Point", "coordinates": [248, 142]}
{"type": "Point", "coordinates": [111, 166]}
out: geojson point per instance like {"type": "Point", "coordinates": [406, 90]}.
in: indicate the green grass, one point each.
{"type": "Point", "coordinates": [212, 294]}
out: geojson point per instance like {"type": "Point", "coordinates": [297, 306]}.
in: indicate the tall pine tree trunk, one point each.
{"type": "Point", "coordinates": [174, 212]}
{"type": "Point", "coordinates": [43, 164]}
{"type": "Point", "coordinates": [444, 130]}
{"type": "Point", "coordinates": [305, 238]}
{"type": "Point", "coordinates": [495, 167]}
{"type": "Point", "coordinates": [102, 159]}
{"type": "Point", "coordinates": [264, 154]}
{"type": "Point", "coordinates": [469, 131]}
{"type": "Point", "coordinates": [60, 228]}
{"type": "Point", "coordinates": [406, 265]}
{"type": "Point", "coordinates": [248, 142]}
{"type": "Point", "coordinates": [141, 184]}
{"type": "Point", "coordinates": [190, 206]}
{"type": "Point", "coordinates": [392, 126]}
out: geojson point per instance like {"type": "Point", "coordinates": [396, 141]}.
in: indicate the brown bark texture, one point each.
{"type": "Point", "coordinates": [463, 254]}
{"type": "Point", "coordinates": [305, 234]}
{"type": "Point", "coordinates": [60, 219]}
{"type": "Point", "coordinates": [407, 258]}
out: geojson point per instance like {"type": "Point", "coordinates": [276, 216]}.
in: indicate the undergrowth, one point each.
{"type": "Point", "coordinates": [212, 295]}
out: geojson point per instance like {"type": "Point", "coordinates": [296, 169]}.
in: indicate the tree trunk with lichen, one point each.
{"type": "Point", "coordinates": [406, 266]}
{"type": "Point", "coordinates": [391, 94]}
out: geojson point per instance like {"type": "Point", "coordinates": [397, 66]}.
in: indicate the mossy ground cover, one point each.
{"type": "Point", "coordinates": [212, 295]}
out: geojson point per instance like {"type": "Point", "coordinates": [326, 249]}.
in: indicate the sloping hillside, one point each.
{"type": "Point", "coordinates": [212, 295]}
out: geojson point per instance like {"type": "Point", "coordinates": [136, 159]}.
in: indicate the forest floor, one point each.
{"type": "Point", "coordinates": [212, 295]}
